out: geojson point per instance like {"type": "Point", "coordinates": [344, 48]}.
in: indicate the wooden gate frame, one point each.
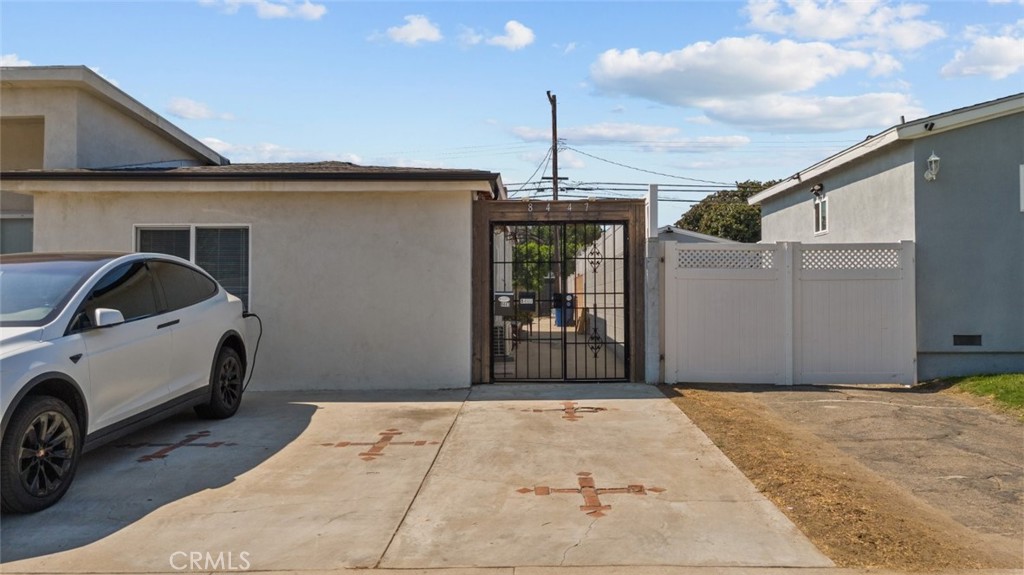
{"type": "Point", "coordinates": [487, 212]}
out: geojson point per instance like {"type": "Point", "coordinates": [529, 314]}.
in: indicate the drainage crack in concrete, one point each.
{"type": "Point", "coordinates": [579, 542]}
{"type": "Point", "coordinates": [423, 482]}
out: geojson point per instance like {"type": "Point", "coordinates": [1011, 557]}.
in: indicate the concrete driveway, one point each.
{"type": "Point", "coordinates": [500, 476]}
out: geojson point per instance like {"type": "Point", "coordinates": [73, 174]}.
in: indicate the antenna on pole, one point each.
{"type": "Point", "coordinates": [554, 144]}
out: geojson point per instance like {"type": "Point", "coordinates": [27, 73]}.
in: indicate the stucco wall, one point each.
{"type": "Point", "coordinates": [109, 138]}
{"type": "Point", "coordinates": [356, 290]}
{"type": "Point", "coordinates": [59, 109]}
{"type": "Point", "coordinates": [871, 201]}
{"type": "Point", "coordinates": [970, 249]}
{"type": "Point", "coordinates": [81, 131]}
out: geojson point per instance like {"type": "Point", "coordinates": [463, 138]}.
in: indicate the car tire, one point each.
{"type": "Point", "coordinates": [225, 386]}
{"type": "Point", "coordinates": [39, 455]}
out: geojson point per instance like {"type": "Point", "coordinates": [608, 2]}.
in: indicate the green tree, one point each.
{"type": "Point", "coordinates": [726, 214]}
{"type": "Point", "coordinates": [534, 255]}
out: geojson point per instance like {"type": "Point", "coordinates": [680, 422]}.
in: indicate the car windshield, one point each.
{"type": "Point", "coordinates": [33, 293]}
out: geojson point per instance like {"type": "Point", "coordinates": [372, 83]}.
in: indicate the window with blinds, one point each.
{"type": "Point", "coordinates": [222, 251]}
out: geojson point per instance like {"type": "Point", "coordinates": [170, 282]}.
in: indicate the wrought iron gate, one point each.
{"type": "Point", "coordinates": [561, 309]}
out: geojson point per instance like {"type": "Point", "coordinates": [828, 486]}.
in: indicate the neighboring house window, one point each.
{"type": "Point", "coordinates": [820, 214]}
{"type": "Point", "coordinates": [223, 251]}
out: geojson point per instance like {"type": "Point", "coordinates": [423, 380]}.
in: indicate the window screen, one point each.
{"type": "Point", "coordinates": [173, 242]}
{"type": "Point", "coordinates": [224, 254]}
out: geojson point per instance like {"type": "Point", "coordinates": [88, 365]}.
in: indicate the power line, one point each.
{"type": "Point", "coordinates": [614, 163]}
{"type": "Point", "coordinates": [543, 163]}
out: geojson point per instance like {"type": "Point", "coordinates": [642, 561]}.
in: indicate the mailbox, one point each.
{"type": "Point", "coordinates": [503, 304]}
{"type": "Point", "coordinates": [528, 301]}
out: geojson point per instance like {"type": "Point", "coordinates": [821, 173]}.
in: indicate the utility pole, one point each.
{"type": "Point", "coordinates": [554, 144]}
{"type": "Point", "coordinates": [559, 287]}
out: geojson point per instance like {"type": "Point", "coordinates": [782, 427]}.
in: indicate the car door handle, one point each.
{"type": "Point", "coordinates": [168, 324]}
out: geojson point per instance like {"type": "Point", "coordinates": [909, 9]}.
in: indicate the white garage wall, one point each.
{"type": "Point", "coordinates": [356, 290]}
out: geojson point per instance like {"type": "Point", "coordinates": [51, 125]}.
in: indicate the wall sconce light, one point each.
{"type": "Point", "coordinates": [932, 173]}
{"type": "Point", "coordinates": [818, 190]}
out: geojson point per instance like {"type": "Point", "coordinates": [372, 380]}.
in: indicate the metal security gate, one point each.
{"type": "Point", "coordinates": [559, 304]}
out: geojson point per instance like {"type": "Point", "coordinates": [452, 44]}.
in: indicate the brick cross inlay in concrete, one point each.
{"type": "Point", "coordinates": [591, 493]}
{"type": "Point", "coordinates": [167, 448]}
{"type": "Point", "coordinates": [571, 410]}
{"type": "Point", "coordinates": [377, 448]}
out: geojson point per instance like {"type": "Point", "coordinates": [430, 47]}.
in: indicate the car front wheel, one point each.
{"type": "Point", "coordinates": [40, 452]}
{"type": "Point", "coordinates": [225, 386]}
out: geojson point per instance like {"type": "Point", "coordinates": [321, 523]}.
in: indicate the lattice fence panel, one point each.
{"type": "Point", "coordinates": [759, 259]}
{"type": "Point", "coordinates": [850, 259]}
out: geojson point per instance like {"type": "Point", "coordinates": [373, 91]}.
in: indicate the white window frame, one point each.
{"type": "Point", "coordinates": [820, 204]}
{"type": "Point", "coordinates": [192, 243]}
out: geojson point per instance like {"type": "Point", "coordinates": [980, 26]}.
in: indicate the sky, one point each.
{"type": "Point", "coordinates": [693, 95]}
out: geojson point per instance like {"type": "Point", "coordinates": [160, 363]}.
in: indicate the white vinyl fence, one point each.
{"type": "Point", "coordinates": [789, 313]}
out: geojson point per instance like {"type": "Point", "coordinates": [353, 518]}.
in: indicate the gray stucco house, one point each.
{"type": "Point", "coordinates": [954, 184]}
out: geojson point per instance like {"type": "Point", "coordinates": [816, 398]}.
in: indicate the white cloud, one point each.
{"type": "Point", "coordinates": [13, 60]}
{"type": "Point", "coordinates": [996, 56]}
{"type": "Point", "coordinates": [645, 137]}
{"type": "Point", "coordinates": [418, 28]}
{"type": "Point", "coordinates": [569, 48]}
{"type": "Point", "coordinates": [756, 83]}
{"type": "Point", "coordinates": [884, 64]}
{"type": "Point", "coordinates": [877, 24]}
{"type": "Point", "coordinates": [730, 67]}
{"type": "Point", "coordinates": [599, 133]}
{"type": "Point", "coordinates": [569, 160]}
{"type": "Point", "coordinates": [188, 109]}
{"type": "Point", "coordinates": [785, 113]}
{"type": "Point", "coordinates": [272, 9]}
{"type": "Point", "coordinates": [267, 152]}
{"type": "Point", "coordinates": [470, 37]}
{"type": "Point", "coordinates": [516, 37]}
{"type": "Point", "coordinates": [620, 109]}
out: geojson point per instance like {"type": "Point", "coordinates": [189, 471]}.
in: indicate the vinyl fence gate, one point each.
{"type": "Point", "coordinates": [558, 284]}
{"type": "Point", "coordinates": [790, 313]}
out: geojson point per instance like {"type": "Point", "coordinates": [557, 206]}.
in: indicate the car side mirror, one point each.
{"type": "Point", "coordinates": [105, 317]}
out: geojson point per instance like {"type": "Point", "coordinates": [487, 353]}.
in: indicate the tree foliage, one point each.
{"type": "Point", "coordinates": [726, 214]}
{"type": "Point", "coordinates": [534, 252]}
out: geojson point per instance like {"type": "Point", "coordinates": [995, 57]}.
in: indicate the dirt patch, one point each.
{"type": "Point", "coordinates": [852, 514]}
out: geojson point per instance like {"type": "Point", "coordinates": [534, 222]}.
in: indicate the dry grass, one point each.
{"type": "Point", "coordinates": [850, 513]}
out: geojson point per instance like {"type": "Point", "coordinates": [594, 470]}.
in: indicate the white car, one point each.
{"type": "Point", "coordinates": [94, 346]}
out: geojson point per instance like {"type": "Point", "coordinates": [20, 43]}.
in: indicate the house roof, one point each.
{"type": "Point", "coordinates": [692, 234]}
{"type": "Point", "coordinates": [922, 128]}
{"type": "Point", "coordinates": [325, 172]}
{"type": "Point", "coordinates": [83, 78]}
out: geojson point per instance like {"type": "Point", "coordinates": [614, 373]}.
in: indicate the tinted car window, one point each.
{"type": "Point", "coordinates": [32, 293]}
{"type": "Point", "coordinates": [182, 286]}
{"type": "Point", "coordinates": [128, 288]}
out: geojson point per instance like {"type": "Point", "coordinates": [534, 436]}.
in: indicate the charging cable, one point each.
{"type": "Point", "coordinates": [256, 350]}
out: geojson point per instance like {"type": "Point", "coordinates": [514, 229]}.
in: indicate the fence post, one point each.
{"type": "Point", "coordinates": [790, 307]}
{"type": "Point", "coordinates": [908, 301]}
{"type": "Point", "coordinates": [652, 296]}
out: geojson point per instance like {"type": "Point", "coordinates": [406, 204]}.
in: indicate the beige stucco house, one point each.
{"type": "Point", "coordinates": [60, 117]}
{"type": "Point", "coordinates": [333, 256]}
